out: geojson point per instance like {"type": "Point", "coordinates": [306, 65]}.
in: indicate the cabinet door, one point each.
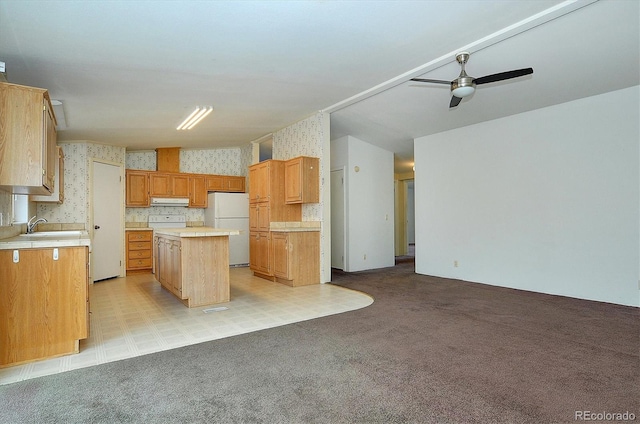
{"type": "Point", "coordinates": [162, 263]}
{"type": "Point", "coordinates": [215, 183]}
{"type": "Point", "coordinates": [198, 192]}
{"type": "Point", "coordinates": [159, 184]}
{"type": "Point", "coordinates": [301, 177]}
{"type": "Point", "coordinates": [235, 184]}
{"type": "Point", "coordinates": [49, 144]}
{"type": "Point", "coordinates": [259, 217]}
{"type": "Point", "coordinates": [264, 217]}
{"type": "Point", "coordinates": [137, 183]}
{"type": "Point", "coordinates": [280, 252]}
{"type": "Point", "coordinates": [254, 209]}
{"type": "Point", "coordinates": [179, 185]}
{"type": "Point", "coordinates": [259, 252]}
{"type": "Point", "coordinates": [293, 181]}
{"type": "Point", "coordinates": [176, 267]}
{"type": "Point", "coordinates": [259, 182]}
{"type": "Point", "coordinates": [43, 303]}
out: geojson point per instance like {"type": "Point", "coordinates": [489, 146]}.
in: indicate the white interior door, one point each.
{"type": "Point", "coordinates": [106, 243]}
{"type": "Point", "coordinates": [337, 219]}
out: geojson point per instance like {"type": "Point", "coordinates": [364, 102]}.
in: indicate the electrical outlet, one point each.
{"type": "Point", "coordinates": [455, 264]}
{"type": "Point", "coordinates": [365, 257]}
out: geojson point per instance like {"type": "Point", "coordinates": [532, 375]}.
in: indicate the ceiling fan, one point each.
{"type": "Point", "coordinates": [465, 85]}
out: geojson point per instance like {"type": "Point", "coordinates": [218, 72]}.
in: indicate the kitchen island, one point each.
{"type": "Point", "coordinates": [193, 263]}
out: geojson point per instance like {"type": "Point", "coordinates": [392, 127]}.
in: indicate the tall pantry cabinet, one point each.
{"type": "Point", "coordinates": [266, 205]}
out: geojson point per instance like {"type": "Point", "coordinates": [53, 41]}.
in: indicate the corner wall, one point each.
{"type": "Point", "coordinates": [369, 186]}
{"type": "Point", "coordinates": [546, 201]}
{"type": "Point", "coordinates": [310, 137]}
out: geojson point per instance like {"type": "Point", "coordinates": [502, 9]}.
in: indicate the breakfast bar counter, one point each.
{"type": "Point", "coordinates": [193, 263]}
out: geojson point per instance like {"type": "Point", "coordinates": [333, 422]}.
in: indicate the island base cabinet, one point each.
{"type": "Point", "coordinates": [194, 269]}
{"type": "Point", "coordinates": [44, 303]}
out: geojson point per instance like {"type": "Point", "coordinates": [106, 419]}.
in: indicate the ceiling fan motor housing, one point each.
{"type": "Point", "coordinates": [463, 86]}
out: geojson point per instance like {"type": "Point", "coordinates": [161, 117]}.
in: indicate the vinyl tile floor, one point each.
{"type": "Point", "coordinates": [135, 316]}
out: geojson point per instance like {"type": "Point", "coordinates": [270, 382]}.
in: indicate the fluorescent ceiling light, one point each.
{"type": "Point", "coordinates": [196, 116]}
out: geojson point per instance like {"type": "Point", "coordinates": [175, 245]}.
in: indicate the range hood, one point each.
{"type": "Point", "coordinates": [169, 201]}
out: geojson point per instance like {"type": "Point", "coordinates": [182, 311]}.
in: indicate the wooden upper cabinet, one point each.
{"type": "Point", "coordinates": [143, 185]}
{"type": "Point", "coordinates": [225, 183]}
{"type": "Point", "coordinates": [168, 185]}
{"type": "Point", "coordinates": [302, 184]}
{"type": "Point", "coordinates": [259, 175]}
{"type": "Point", "coordinates": [168, 159]}
{"type": "Point", "coordinates": [197, 191]}
{"type": "Point", "coordinates": [235, 184]}
{"type": "Point", "coordinates": [137, 183]}
{"type": "Point", "coordinates": [57, 196]}
{"type": "Point", "coordinates": [180, 185]}
{"type": "Point", "coordinates": [27, 140]}
{"type": "Point", "coordinates": [215, 182]}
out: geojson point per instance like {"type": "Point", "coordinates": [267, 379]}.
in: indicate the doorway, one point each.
{"type": "Point", "coordinates": [107, 216]}
{"type": "Point", "coordinates": [405, 217]}
{"type": "Point", "coordinates": [337, 219]}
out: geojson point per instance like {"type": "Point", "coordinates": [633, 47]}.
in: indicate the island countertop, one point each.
{"type": "Point", "coordinates": [196, 232]}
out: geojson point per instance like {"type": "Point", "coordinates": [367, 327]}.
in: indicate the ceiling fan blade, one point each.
{"type": "Point", "coordinates": [431, 80]}
{"type": "Point", "coordinates": [503, 76]}
{"type": "Point", "coordinates": [455, 101]}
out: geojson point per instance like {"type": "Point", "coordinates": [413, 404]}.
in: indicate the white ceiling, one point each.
{"type": "Point", "coordinates": [128, 72]}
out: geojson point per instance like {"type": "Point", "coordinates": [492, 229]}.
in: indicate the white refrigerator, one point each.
{"type": "Point", "coordinates": [231, 210]}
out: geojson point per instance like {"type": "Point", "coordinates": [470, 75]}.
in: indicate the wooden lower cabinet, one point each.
{"type": "Point", "coordinates": [296, 257]}
{"type": "Point", "coordinates": [139, 248]}
{"type": "Point", "coordinates": [169, 265]}
{"type": "Point", "coordinates": [259, 253]}
{"type": "Point", "coordinates": [44, 303]}
{"type": "Point", "coordinates": [194, 269]}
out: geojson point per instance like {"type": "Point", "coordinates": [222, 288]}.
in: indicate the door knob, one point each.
{"type": "Point", "coordinates": [97, 227]}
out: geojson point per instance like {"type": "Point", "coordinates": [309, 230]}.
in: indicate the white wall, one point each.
{"type": "Point", "coordinates": [545, 200]}
{"type": "Point", "coordinates": [369, 205]}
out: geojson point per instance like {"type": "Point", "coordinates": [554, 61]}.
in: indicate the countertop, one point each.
{"type": "Point", "coordinates": [196, 232]}
{"type": "Point", "coordinates": [294, 226]}
{"type": "Point", "coordinates": [47, 239]}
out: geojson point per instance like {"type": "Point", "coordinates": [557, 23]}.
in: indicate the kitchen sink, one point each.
{"type": "Point", "coordinates": [54, 234]}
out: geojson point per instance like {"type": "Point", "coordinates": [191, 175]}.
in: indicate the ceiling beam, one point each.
{"type": "Point", "coordinates": [538, 19]}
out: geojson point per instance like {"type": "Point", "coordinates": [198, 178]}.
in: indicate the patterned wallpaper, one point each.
{"type": "Point", "coordinates": [197, 161]}
{"type": "Point", "coordinates": [75, 208]}
{"type": "Point", "coordinates": [305, 138]}
{"type": "Point", "coordinates": [77, 156]}
{"type": "Point", "coordinates": [5, 208]}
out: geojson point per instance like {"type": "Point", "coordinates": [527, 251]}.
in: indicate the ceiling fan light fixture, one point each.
{"type": "Point", "coordinates": [196, 116]}
{"type": "Point", "coordinates": [463, 91]}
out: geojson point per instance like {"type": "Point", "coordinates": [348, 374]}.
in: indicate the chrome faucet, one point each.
{"type": "Point", "coordinates": [31, 226]}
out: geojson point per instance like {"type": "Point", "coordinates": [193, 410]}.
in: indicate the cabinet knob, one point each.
{"type": "Point", "coordinates": [96, 227]}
